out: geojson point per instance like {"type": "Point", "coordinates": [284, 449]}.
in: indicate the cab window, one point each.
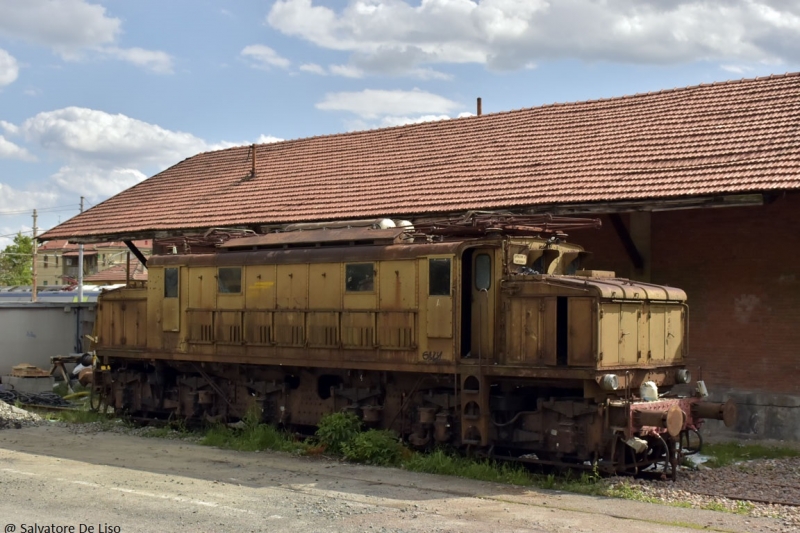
{"type": "Point", "coordinates": [170, 283]}
{"type": "Point", "coordinates": [483, 272]}
{"type": "Point", "coordinates": [439, 277]}
{"type": "Point", "coordinates": [359, 277]}
{"type": "Point", "coordinates": [229, 280]}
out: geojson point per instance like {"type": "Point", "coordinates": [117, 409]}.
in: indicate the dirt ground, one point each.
{"type": "Point", "coordinates": [111, 483]}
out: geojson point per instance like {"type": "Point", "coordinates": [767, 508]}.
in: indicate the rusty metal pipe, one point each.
{"type": "Point", "coordinates": [671, 419]}
{"type": "Point", "coordinates": [725, 411]}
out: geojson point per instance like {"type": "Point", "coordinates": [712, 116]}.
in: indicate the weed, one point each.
{"type": "Point", "coordinates": [376, 447]}
{"type": "Point", "coordinates": [627, 491]}
{"type": "Point", "coordinates": [252, 437]}
{"type": "Point", "coordinates": [336, 430]}
{"type": "Point", "coordinates": [684, 505]}
{"type": "Point", "coordinates": [714, 506]}
{"type": "Point", "coordinates": [81, 416]}
{"type": "Point", "coordinates": [728, 453]}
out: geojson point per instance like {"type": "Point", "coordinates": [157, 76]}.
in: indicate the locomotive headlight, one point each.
{"type": "Point", "coordinates": [683, 375]}
{"type": "Point", "coordinates": [609, 382]}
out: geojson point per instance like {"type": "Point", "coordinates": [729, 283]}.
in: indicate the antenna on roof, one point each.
{"type": "Point", "coordinates": [253, 166]}
{"type": "Point", "coordinates": [479, 106]}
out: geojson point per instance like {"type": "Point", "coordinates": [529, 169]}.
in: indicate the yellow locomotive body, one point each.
{"type": "Point", "coordinates": [496, 342]}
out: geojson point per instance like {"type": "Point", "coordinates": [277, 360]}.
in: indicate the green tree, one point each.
{"type": "Point", "coordinates": [16, 262]}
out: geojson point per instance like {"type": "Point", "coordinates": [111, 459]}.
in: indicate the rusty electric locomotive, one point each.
{"type": "Point", "coordinates": [483, 335]}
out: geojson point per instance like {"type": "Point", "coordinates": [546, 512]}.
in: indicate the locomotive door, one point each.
{"type": "Point", "coordinates": [482, 292]}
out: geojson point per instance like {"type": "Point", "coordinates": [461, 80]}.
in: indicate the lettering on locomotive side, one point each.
{"type": "Point", "coordinates": [431, 357]}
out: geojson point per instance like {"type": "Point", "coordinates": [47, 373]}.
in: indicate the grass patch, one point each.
{"type": "Point", "coordinates": [251, 439]}
{"type": "Point", "coordinates": [80, 416]}
{"type": "Point", "coordinates": [627, 491]}
{"type": "Point", "coordinates": [61, 388]}
{"type": "Point", "coordinates": [728, 453]}
{"type": "Point", "coordinates": [442, 463]}
{"type": "Point", "coordinates": [251, 436]}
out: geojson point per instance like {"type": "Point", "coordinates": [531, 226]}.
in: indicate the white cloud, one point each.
{"type": "Point", "coordinates": [736, 69]}
{"type": "Point", "coordinates": [73, 28]}
{"type": "Point", "coordinates": [89, 135]}
{"type": "Point", "coordinates": [353, 71]}
{"type": "Point", "coordinates": [9, 150]}
{"type": "Point", "coordinates": [401, 121]}
{"type": "Point", "coordinates": [96, 182]}
{"type": "Point", "coordinates": [64, 25]}
{"type": "Point", "coordinates": [155, 60]}
{"type": "Point", "coordinates": [9, 128]}
{"type": "Point", "coordinates": [390, 121]}
{"type": "Point", "coordinates": [267, 139]}
{"type": "Point", "coordinates": [9, 70]}
{"type": "Point", "coordinates": [313, 68]}
{"type": "Point", "coordinates": [105, 153]}
{"type": "Point", "coordinates": [264, 57]}
{"type": "Point", "coordinates": [15, 200]}
{"type": "Point", "coordinates": [400, 36]}
{"type": "Point", "coordinates": [371, 104]}
{"type": "Point", "coordinates": [347, 71]}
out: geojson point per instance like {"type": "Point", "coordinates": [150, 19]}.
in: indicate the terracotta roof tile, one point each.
{"type": "Point", "coordinates": [716, 138]}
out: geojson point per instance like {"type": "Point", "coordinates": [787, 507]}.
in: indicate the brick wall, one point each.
{"type": "Point", "coordinates": [740, 267]}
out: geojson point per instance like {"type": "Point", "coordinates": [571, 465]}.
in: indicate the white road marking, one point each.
{"type": "Point", "coordinates": [179, 499]}
{"type": "Point", "coordinates": [19, 472]}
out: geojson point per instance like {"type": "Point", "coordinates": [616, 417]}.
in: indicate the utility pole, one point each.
{"type": "Point", "coordinates": [80, 265]}
{"type": "Point", "coordinates": [33, 292]}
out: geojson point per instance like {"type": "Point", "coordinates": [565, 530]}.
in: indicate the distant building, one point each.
{"type": "Point", "coordinates": [58, 260]}
{"type": "Point", "coordinates": [117, 274]}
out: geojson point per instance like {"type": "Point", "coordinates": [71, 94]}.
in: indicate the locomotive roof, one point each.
{"type": "Point", "coordinates": [617, 288]}
{"type": "Point", "coordinates": [711, 139]}
{"type": "Point", "coordinates": [324, 237]}
{"type": "Point", "coordinates": [328, 254]}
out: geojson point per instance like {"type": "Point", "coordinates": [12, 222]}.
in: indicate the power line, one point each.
{"type": "Point", "coordinates": [17, 233]}
{"type": "Point", "coordinates": [54, 209]}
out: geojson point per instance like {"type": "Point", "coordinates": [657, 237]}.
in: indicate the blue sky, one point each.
{"type": "Point", "coordinates": [98, 95]}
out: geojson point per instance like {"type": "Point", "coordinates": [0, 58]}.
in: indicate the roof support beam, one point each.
{"type": "Point", "coordinates": [139, 255]}
{"type": "Point", "coordinates": [627, 241]}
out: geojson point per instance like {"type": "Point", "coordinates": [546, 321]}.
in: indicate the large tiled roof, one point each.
{"type": "Point", "coordinates": [721, 138]}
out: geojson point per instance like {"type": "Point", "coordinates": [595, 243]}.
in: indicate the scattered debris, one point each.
{"type": "Point", "coordinates": [14, 417]}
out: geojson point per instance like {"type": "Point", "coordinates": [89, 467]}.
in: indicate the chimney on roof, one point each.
{"type": "Point", "coordinates": [253, 171]}
{"type": "Point", "coordinates": [253, 164]}
{"type": "Point", "coordinates": [479, 106]}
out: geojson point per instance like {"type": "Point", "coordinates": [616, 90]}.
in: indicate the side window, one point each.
{"type": "Point", "coordinates": [359, 277]}
{"type": "Point", "coordinates": [483, 272]}
{"type": "Point", "coordinates": [170, 283]}
{"type": "Point", "coordinates": [229, 280]}
{"type": "Point", "coordinates": [439, 277]}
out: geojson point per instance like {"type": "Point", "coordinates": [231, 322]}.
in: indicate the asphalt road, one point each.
{"type": "Point", "coordinates": [52, 477]}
